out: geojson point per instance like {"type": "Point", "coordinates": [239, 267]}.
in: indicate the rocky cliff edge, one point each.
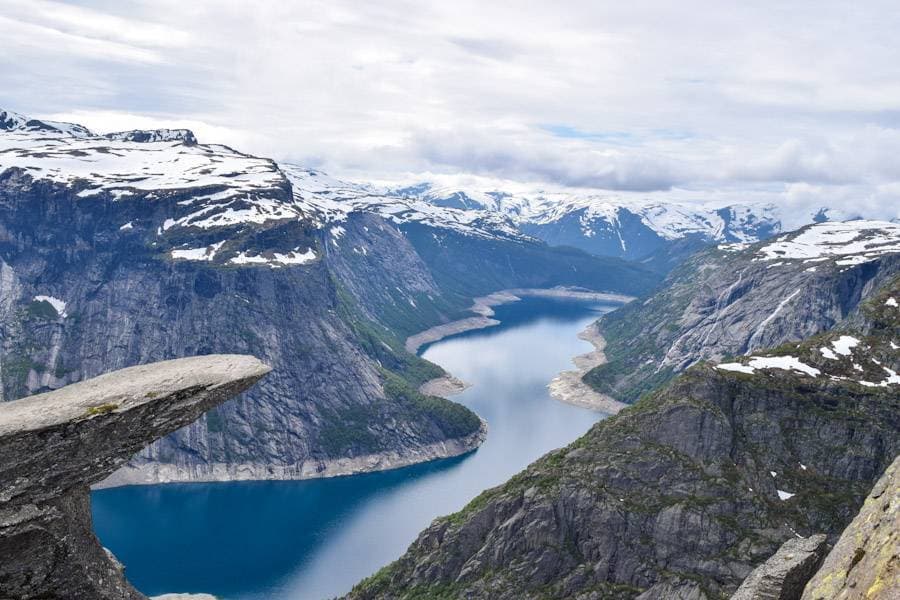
{"type": "Point", "coordinates": [54, 446]}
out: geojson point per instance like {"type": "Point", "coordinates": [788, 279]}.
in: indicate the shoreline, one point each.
{"type": "Point", "coordinates": [158, 474]}
{"type": "Point", "coordinates": [483, 307]}
{"type": "Point", "coordinates": [445, 386]}
{"type": "Point", "coordinates": [568, 386]}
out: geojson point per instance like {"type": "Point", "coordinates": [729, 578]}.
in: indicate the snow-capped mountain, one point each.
{"type": "Point", "coordinates": [10, 121]}
{"type": "Point", "coordinates": [610, 226]}
{"type": "Point", "coordinates": [330, 200]}
{"type": "Point", "coordinates": [218, 188]}
{"type": "Point", "coordinates": [135, 247]}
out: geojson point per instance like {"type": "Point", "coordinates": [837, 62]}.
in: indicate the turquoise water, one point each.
{"type": "Point", "coordinates": [315, 539]}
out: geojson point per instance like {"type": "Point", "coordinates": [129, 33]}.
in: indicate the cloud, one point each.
{"type": "Point", "coordinates": [682, 99]}
{"type": "Point", "coordinates": [539, 157]}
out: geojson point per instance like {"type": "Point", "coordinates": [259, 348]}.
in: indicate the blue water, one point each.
{"type": "Point", "coordinates": [315, 539]}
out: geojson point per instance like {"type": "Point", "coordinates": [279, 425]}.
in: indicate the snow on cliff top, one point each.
{"type": "Point", "coordinates": [125, 167]}
{"type": "Point", "coordinates": [221, 186]}
{"type": "Point", "coordinates": [851, 242]}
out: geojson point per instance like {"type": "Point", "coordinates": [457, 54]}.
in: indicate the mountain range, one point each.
{"type": "Point", "coordinates": [128, 248]}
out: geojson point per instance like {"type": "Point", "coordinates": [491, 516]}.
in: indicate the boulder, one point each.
{"type": "Point", "coordinates": [784, 575]}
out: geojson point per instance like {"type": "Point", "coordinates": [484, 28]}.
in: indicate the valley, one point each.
{"type": "Point", "coordinates": [283, 540]}
{"type": "Point", "coordinates": [422, 432]}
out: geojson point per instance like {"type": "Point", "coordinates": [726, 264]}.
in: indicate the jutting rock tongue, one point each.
{"type": "Point", "coordinates": [54, 446]}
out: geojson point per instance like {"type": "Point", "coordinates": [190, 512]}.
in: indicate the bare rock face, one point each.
{"type": "Point", "coordinates": [865, 562]}
{"type": "Point", "coordinates": [54, 446]}
{"type": "Point", "coordinates": [784, 576]}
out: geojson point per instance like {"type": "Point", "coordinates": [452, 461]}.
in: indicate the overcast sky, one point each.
{"type": "Point", "coordinates": [797, 102]}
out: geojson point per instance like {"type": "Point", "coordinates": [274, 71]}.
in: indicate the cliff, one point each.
{"type": "Point", "coordinates": [54, 446]}
{"type": "Point", "coordinates": [865, 562]}
{"type": "Point", "coordinates": [741, 298]}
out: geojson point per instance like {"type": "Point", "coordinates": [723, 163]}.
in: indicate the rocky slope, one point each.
{"type": "Point", "coordinates": [864, 563]}
{"type": "Point", "coordinates": [129, 248]}
{"type": "Point", "coordinates": [736, 299]}
{"type": "Point", "coordinates": [684, 493]}
{"type": "Point", "coordinates": [54, 446]}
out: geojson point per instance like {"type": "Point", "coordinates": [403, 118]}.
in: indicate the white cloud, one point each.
{"type": "Point", "coordinates": [691, 99]}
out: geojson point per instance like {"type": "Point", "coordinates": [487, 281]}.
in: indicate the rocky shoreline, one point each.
{"type": "Point", "coordinates": [568, 386]}
{"type": "Point", "coordinates": [484, 307]}
{"type": "Point", "coordinates": [157, 473]}
{"type": "Point", "coordinates": [445, 386]}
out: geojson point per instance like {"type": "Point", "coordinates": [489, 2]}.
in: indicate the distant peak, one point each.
{"type": "Point", "coordinates": [12, 121]}
{"type": "Point", "coordinates": [185, 136]}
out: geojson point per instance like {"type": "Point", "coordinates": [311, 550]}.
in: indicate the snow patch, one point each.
{"type": "Point", "coordinates": [828, 353]}
{"type": "Point", "coordinates": [295, 257]}
{"type": "Point", "coordinates": [58, 305]}
{"type": "Point", "coordinates": [844, 344]}
{"type": "Point", "coordinates": [787, 363]}
{"type": "Point", "coordinates": [738, 367]}
{"type": "Point", "coordinates": [782, 495]}
{"type": "Point", "coordinates": [855, 242]}
{"type": "Point", "coordinates": [203, 254]}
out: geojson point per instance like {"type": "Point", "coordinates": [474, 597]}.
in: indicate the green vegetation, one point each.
{"type": "Point", "coordinates": [101, 409]}
{"type": "Point", "coordinates": [346, 431]}
{"type": "Point", "coordinates": [41, 309]}
{"type": "Point", "coordinates": [454, 420]}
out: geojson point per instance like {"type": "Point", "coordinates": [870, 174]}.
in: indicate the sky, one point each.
{"type": "Point", "coordinates": [791, 102]}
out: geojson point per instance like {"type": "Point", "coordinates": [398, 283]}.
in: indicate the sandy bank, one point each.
{"type": "Point", "coordinates": [569, 388]}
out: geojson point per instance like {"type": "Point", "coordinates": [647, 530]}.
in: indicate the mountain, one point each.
{"type": "Point", "coordinates": [737, 298]}
{"type": "Point", "coordinates": [636, 229]}
{"type": "Point", "coordinates": [131, 248]}
{"type": "Point", "coordinates": [10, 121]}
{"type": "Point", "coordinates": [681, 495]}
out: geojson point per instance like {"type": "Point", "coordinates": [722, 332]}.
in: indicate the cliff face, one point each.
{"type": "Point", "coordinates": [738, 299]}
{"type": "Point", "coordinates": [681, 495]}
{"type": "Point", "coordinates": [127, 303]}
{"type": "Point", "coordinates": [54, 446]}
{"type": "Point", "coordinates": [865, 562]}
{"type": "Point", "coordinates": [136, 248]}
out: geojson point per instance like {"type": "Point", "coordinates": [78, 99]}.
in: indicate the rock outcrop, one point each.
{"type": "Point", "coordinates": [865, 562]}
{"type": "Point", "coordinates": [54, 446]}
{"type": "Point", "coordinates": [784, 576]}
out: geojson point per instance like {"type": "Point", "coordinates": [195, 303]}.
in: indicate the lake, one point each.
{"type": "Point", "coordinates": [290, 540]}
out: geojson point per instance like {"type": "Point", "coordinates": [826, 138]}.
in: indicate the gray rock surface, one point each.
{"type": "Point", "coordinates": [865, 562]}
{"type": "Point", "coordinates": [54, 446]}
{"type": "Point", "coordinates": [784, 576]}
{"type": "Point", "coordinates": [729, 302]}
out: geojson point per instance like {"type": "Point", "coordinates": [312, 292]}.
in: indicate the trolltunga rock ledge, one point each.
{"type": "Point", "coordinates": [54, 446]}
